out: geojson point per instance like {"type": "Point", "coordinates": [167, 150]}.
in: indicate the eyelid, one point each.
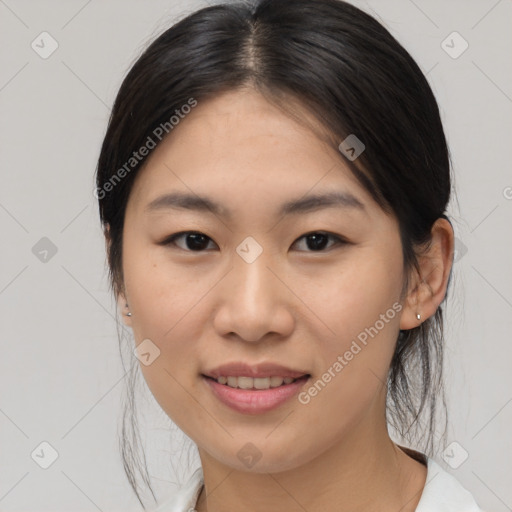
{"type": "Point", "coordinates": [338, 239]}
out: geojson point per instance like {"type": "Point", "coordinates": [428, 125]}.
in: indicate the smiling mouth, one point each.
{"type": "Point", "coordinates": [256, 383]}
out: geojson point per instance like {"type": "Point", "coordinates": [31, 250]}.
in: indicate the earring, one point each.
{"type": "Point", "coordinates": [128, 314]}
{"type": "Point", "coordinates": [418, 316]}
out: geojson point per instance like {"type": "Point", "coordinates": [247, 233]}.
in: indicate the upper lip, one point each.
{"type": "Point", "coordinates": [240, 369]}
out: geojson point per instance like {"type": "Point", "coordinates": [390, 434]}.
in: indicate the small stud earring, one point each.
{"type": "Point", "coordinates": [128, 314]}
{"type": "Point", "coordinates": [418, 316]}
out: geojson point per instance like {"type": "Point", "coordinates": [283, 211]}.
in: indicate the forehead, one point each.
{"type": "Point", "coordinates": [240, 144]}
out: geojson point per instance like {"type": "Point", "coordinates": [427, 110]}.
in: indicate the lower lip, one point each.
{"type": "Point", "coordinates": [255, 401]}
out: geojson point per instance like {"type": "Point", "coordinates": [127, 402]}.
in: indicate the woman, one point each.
{"type": "Point", "coordinates": [273, 186]}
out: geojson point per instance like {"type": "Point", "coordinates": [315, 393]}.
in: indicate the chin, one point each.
{"type": "Point", "coordinates": [263, 455]}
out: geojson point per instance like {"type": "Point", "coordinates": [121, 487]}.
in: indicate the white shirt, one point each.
{"type": "Point", "coordinates": [442, 493]}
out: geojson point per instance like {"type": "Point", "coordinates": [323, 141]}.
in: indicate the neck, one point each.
{"type": "Point", "coordinates": [365, 471]}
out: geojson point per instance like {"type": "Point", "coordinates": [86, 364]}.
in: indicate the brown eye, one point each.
{"type": "Point", "coordinates": [317, 241]}
{"type": "Point", "coordinates": [189, 241]}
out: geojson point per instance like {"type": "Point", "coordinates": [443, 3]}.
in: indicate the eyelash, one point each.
{"type": "Point", "coordinates": [171, 240]}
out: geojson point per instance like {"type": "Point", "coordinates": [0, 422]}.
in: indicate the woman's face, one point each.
{"type": "Point", "coordinates": [271, 277]}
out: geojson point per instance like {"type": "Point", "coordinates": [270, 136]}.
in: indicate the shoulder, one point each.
{"type": "Point", "coordinates": [185, 498]}
{"type": "Point", "coordinates": [444, 493]}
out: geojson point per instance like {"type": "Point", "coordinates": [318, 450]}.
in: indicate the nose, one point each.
{"type": "Point", "coordinates": [253, 303]}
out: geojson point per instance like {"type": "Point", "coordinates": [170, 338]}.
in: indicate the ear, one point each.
{"type": "Point", "coordinates": [428, 290]}
{"type": "Point", "coordinates": [121, 295]}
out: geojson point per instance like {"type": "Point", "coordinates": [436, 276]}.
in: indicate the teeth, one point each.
{"type": "Point", "coordinates": [276, 381]}
{"type": "Point", "coordinates": [254, 383]}
{"type": "Point", "coordinates": [245, 382]}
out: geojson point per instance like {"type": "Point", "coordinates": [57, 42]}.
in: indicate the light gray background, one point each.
{"type": "Point", "coordinates": [61, 378]}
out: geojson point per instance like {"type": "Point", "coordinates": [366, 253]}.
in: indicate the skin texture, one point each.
{"type": "Point", "coordinates": [293, 305]}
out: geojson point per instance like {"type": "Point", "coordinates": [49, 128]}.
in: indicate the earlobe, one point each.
{"type": "Point", "coordinates": [435, 264]}
{"type": "Point", "coordinates": [412, 315]}
{"type": "Point", "coordinates": [125, 309]}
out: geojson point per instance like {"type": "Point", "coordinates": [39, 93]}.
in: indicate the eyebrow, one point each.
{"type": "Point", "coordinates": [310, 203]}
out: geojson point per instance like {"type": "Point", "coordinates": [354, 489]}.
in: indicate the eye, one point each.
{"type": "Point", "coordinates": [193, 241]}
{"type": "Point", "coordinates": [318, 240]}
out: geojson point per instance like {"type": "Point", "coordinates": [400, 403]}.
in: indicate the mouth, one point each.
{"type": "Point", "coordinates": [254, 395]}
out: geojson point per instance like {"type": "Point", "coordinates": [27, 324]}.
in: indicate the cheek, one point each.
{"type": "Point", "coordinates": [360, 315]}
{"type": "Point", "coordinates": [170, 387]}
{"type": "Point", "coordinates": [162, 296]}
{"type": "Point", "coordinates": [173, 321]}
{"type": "Point", "coordinates": [354, 361]}
{"type": "Point", "coordinates": [167, 310]}
{"type": "Point", "coordinates": [350, 297]}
